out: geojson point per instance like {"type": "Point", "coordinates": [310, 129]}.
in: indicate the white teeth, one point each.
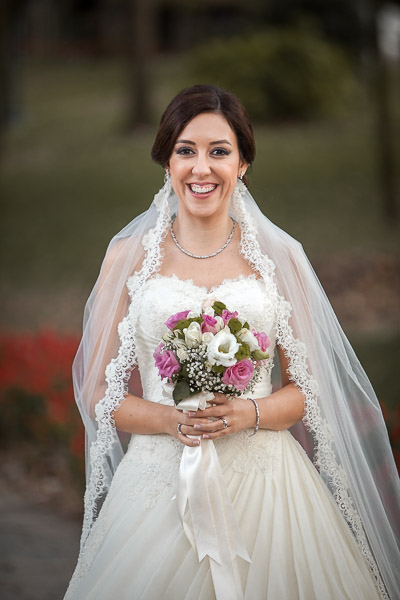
{"type": "Point", "coordinates": [201, 189]}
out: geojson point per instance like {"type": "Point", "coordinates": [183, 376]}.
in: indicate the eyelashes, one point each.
{"type": "Point", "coordinates": [190, 152]}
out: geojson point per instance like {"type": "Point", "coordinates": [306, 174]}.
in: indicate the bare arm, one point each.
{"type": "Point", "coordinates": [136, 415]}
{"type": "Point", "coordinates": [278, 411]}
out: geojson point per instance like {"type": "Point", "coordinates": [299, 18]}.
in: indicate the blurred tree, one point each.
{"type": "Point", "coordinates": [142, 35]}
{"type": "Point", "coordinates": [380, 81]}
{"type": "Point", "coordinates": [10, 13]}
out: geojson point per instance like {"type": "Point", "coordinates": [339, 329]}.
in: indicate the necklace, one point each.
{"type": "Point", "coordinates": [199, 255]}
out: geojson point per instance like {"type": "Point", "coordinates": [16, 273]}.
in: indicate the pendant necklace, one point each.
{"type": "Point", "coordinates": [199, 255]}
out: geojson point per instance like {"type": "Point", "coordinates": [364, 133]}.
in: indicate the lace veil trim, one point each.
{"type": "Point", "coordinates": [298, 370]}
{"type": "Point", "coordinates": [118, 373]}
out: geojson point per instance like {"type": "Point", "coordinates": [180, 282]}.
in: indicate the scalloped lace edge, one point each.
{"type": "Point", "coordinates": [295, 350]}
{"type": "Point", "coordinates": [117, 377]}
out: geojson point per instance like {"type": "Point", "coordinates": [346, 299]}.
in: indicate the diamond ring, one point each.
{"type": "Point", "coordinates": [225, 422]}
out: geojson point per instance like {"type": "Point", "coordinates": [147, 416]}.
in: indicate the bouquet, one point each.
{"type": "Point", "coordinates": [215, 351]}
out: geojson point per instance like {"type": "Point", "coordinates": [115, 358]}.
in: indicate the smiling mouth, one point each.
{"type": "Point", "coordinates": [202, 189]}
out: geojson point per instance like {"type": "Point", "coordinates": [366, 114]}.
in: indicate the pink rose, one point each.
{"type": "Point", "coordinates": [240, 374]}
{"type": "Point", "coordinates": [262, 339]}
{"type": "Point", "coordinates": [174, 319]}
{"type": "Point", "coordinates": [227, 315]}
{"type": "Point", "coordinates": [208, 324]}
{"type": "Point", "coordinates": [166, 362]}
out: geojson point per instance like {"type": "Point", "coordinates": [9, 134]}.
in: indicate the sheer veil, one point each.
{"type": "Point", "coordinates": [343, 421]}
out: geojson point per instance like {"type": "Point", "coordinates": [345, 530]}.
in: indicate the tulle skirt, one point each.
{"type": "Point", "coordinates": [300, 545]}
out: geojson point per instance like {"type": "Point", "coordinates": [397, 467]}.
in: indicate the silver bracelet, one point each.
{"type": "Point", "coordinates": [257, 419]}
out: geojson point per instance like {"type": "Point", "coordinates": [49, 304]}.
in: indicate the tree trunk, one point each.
{"type": "Point", "coordinates": [384, 124]}
{"type": "Point", "coordinates": [142, 39]}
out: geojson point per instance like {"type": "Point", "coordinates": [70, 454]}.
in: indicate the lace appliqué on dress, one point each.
{"type": "Point", "coordinates": [153, 478]}
{"type": "Point", "coordinates": [261, 453]}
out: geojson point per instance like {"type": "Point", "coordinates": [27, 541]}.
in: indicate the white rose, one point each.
{"type": "Point", "coordinates": [192, 335]}
{"type": "Point", "coordinates": [182, 354]}
{"type": "Point", "coordinates": [208, 302]}
{"type": "Point", "coordinates": [222, 349]}
{"type": "Point", "coordinates": [220, 323]}
{"type": "Point", "coordinates": [206, 337]}
{"type": "Point", "coordinates": [168, 336]}
{"type": "Point", "coordinates": [246, 336]}
{"type": "Point", "coordinates": [178, 343]}
{"type": "Point", "coordinates": [209, 311]}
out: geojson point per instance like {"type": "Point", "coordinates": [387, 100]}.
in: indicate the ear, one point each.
{"type": "Point", "coordinates": [243, 166]}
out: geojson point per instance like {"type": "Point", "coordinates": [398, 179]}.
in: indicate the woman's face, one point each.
{"type": "Point", "coordinates": [205, 164]}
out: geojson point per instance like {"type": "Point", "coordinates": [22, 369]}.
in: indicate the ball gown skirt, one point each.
{"type": "Point", "coordinates": [298, 541]}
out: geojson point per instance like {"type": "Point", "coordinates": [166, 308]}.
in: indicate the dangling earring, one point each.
{"type": "Point", "coordinates": [167, 176]}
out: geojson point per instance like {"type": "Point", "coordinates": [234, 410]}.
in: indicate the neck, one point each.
{"type": "Point", "coordinates": [202, 235]}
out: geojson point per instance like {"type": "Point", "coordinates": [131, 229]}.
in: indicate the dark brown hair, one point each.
{"type": "Point", "coordinates": [194, 101]}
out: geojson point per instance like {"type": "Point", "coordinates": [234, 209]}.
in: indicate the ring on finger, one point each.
{"type": "Point", "coordinates": [225, 422]}
{"type": "Point", "coordinates": [178, 427]}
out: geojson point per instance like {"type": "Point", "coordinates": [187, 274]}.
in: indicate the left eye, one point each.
{"type": "Point", "coordinates": [220, 152]}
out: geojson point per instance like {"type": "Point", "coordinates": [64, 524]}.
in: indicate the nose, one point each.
{"type": "Point", "coordinates": [201, 165]}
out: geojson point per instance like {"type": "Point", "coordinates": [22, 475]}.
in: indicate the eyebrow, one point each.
{"type": "Point", "coordinates": [211, 143]}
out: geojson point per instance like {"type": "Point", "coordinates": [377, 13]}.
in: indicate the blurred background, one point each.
{"type": "Point", "coordinates": [83, 84]}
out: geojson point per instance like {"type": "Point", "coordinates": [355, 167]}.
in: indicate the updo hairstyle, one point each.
{"type": "Point", "coordinates": [194, 101]}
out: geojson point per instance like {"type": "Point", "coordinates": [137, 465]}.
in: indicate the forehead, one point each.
{"type": "Point", "coordinates": [207, 128]}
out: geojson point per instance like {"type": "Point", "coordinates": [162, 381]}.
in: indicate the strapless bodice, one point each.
{"type": "Point", "coordinates": [163, 296]}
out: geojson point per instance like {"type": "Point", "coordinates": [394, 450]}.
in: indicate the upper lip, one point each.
{"type": "Point", "coordinates": [202, 183]}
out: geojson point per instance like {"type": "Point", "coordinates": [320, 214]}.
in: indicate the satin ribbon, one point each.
{"type": "Point", "coordinates": [206, 511]}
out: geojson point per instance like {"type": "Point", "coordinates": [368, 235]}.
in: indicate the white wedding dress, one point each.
{"type": "Point", "coordinates": [299, 543]}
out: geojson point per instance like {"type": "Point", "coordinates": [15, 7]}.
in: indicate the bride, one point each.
{"type": "Point", "coordinates": [224, 502]}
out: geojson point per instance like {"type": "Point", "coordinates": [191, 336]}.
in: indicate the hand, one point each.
{"type": "Point", "coordinates": [187, 421]}
{"type": "Point", "coordinates": [225, 417]}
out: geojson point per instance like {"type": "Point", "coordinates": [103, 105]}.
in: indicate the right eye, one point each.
{"type": "Point", "coordinates": [184, 151]}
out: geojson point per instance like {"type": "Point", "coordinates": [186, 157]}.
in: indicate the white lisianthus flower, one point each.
{"type": "Point", "coordinates": [206, 337]}
{"type": "Point", "coordinates": [192, 335]}
{"type": "Point", "coordinates": [220, 323]}
{"type": "Point", "coordinates": [182, 354]}
{"type": "Point", "coordinates": [222, 349]}
{"type": "Point", "coordinates": [209, 311]}
{"type": "Point", "coordinates": [249, 338]}
{"type": "Point", "coordinates": [192, 315]}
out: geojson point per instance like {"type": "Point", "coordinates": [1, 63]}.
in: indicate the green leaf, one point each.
{"type": "Point", "coordinates": [218, 368]}
{"type": "Point", "coordinates": [243, 352]}
{"type": "Point", "coordinates": [259, 355]}
{"type": "Point", "coordinates": [181, 391]}
{"type": "Point", "coordinates": [234, 325]}
{"type": "Point", "coordinates": [181, 324]}
{"type": "Point", "coordinates": [246, 326]}
{"type": "Point", "coordinates": [219, 307]}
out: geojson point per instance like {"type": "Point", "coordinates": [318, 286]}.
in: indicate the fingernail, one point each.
{"type": "Point", "coordinates": [205, 436]}
{"type": "Point", "coordinates": [197, 426]}
{"type": "Point", "coordinates": [196, 442]}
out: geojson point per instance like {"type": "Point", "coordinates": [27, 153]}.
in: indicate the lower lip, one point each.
{"type": "Point", "coordinates": [197, 195]}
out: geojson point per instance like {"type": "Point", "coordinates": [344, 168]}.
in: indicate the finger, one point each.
{"type": "Point", "coordinates": [209, 427]}
{"type": "Point", "coordinates": [216, 434]}
{"type": "Point", "coordinates": [188, 441]}
{"type": "Point", "coordinates": [215, 411]}
{"type": "Point", "coordinates": [219, 398]}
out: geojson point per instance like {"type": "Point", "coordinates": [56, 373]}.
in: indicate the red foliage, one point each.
{"type": "Point", "coordinates": [39, 365]}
